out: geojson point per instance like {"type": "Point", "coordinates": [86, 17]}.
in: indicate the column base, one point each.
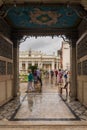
{"type": "Point", "coordinates": [73, 99]}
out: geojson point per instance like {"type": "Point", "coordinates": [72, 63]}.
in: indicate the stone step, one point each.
{"type": "Point", "coordinates": [42, 125]}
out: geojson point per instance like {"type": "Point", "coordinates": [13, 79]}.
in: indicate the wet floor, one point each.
{"type": "Point", "coordinates": [45, 105]}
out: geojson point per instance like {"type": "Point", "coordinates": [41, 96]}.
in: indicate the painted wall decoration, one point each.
{"type": "Point", "coordinates": [44, 16]}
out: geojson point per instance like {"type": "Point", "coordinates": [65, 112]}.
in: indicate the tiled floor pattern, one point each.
{"type": "Point", "coordinates": [79, 109]}
{"type": "Point", "coordinates": [8, 110]}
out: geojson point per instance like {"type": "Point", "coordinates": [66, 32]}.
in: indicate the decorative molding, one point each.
{"type": "Point", "coordinates": [5, 29]}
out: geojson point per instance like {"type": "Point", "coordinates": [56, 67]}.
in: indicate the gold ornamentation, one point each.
{"type": "Point", "coordinates": [44, 17]}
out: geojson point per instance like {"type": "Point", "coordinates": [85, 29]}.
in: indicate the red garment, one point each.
{"type": "Point", "coordinates": [56, 73]}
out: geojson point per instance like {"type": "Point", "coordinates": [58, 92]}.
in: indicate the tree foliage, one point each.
{"type": "Point", "coordinates": [32, 68]}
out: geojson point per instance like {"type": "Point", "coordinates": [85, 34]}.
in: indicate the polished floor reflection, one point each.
{"type": "Point", "coordinates": [45, 105]}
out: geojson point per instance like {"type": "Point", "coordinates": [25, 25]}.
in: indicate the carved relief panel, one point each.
{"type": "Point", "coordinates": [9, 68]}
{"type": "Point", "coordinates": [84, 67]}
{"type": "Point", "coordinates": [81, 55]}
{"type": "Point", "coordinates": [79, 68]}
{"type": "Point", "coordinates": [2, 67]}
{"type": "Point", "coordinates": [82, 48]}
{"type": "Point", "coordinates": [5, 49]}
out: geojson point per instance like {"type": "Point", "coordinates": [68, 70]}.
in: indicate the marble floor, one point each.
{"type": "Point", "coordinates": [48, 105]}
{"type": "Point", "coordinates": [44, 106]}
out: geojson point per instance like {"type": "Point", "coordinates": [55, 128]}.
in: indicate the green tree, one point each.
{"type": "Point", "coordinates": [32, 68]}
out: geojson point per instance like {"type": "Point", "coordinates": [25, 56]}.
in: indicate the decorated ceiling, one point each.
{"type": "Point", "coordinates": [42, 16]}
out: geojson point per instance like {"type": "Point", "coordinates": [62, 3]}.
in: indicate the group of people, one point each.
{"type": "Point", "coordinates": [61, 75]}
{"type": "Point", "coordinates": [36, 77]}
{"type": "Point", "coordinates": [33, 79]}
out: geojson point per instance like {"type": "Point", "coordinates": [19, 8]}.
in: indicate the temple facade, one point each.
{"type": "Point", "coordinates": [41, 60]}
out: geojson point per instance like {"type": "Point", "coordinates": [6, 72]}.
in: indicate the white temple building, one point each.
{"type": "Point", "coordinates": [43, 61]}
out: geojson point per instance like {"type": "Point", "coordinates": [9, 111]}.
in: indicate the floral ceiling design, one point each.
{"type": "Point", "coordinates": [42, 17]}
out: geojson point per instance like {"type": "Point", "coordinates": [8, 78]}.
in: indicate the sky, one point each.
{"type": "Point", "coordinates": [46, 45]}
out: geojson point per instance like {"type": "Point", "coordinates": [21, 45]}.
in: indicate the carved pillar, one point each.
{"type": "Point", "coordinates": [16, 67]}
{"type": "Point", "coordinates": [73, 77]}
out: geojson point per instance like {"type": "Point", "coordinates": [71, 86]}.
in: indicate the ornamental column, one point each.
{"type": "Point", "coordinates": [73, 73]}
{"type": "Point", "coordinates": [15, 67]}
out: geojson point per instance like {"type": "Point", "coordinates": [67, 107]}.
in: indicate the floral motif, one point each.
{"type": "Point", "coordinates": [44, 17]}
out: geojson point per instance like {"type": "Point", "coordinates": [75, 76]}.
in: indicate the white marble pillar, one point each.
{"type": "Point", "coordinates": [53, 65]}
{"type": "Point", "coordinates": [41, 65]}
{"type": "Point", "coordinates": [26, 65]}
{"type": "Point", "coordinates": [33, 63]}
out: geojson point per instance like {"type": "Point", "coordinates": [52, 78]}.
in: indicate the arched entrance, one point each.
{"type": "Point", "coordinates": [42, 19]}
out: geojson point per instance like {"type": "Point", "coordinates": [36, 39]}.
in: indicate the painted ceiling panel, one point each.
{"type": "Point", "coordinates": [44, 16]}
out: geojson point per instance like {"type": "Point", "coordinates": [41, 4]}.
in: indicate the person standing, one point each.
{"type": "Point", "coordinates": [30, 81]}
{"type": "Point", "coordinates": [39, 76]}
{"type": "Point", "coordinates": [60, 75]}
{"type": "Point", "coordinates": [65, 77]}
{"type": "Point", "coordinates": [52, 74]}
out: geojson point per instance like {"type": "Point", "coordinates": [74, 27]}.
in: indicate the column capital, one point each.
{"type": "Point", "coordinates": [16, 40]}
{"type": "Point", "coordinates": [73, 37]}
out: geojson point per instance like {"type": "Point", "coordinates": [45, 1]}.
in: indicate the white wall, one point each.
{"type": "Point", "coordinates": [66, 55]}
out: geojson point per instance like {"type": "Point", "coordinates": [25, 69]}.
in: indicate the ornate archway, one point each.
{"type": "Point", "coordinates": [42, 18]}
